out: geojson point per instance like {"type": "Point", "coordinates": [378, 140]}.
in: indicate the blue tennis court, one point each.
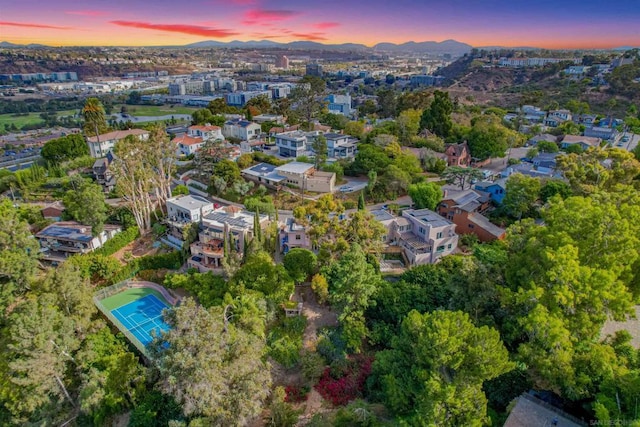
{"type": "Point", "coordinates": [142, 316]}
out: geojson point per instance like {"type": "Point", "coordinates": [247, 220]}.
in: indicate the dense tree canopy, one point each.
{"type": "Point", "coordinates": [64, 148]}
{"type": "Point", "coordinates": [437, 117]}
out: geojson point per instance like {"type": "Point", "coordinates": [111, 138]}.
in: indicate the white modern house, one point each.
{"type": "Point", "coordinates": [292, 144]}
{"type": "Point", "coordinates": [60, 240]}
{"type": "Point", "coordinates": [341, 146]}
{"type": "Point", "coordinates": [243, 130]}
{"type": "Point", "coordinates": [188, 208]}
{"type": "Point", "coordinates": [206, 132]}
{"type": "Point", "coordinates": [100, 145]}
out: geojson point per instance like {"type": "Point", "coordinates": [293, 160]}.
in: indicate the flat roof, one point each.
{"type": "Point", "coordinates": [294, 167]}
{"type": "Point", "coordinates": [189, 202]}
{"type": "Point", "coordinates": [382, 215]}
{"type": "Point", "coordinates": [427, 216]}
{"type": "Point", "coordinates": [71, 230]}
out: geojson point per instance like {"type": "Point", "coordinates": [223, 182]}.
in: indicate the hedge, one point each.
{"type": "Point", "coordinates": [118, 241]}
{"type": "Point", "coordinates": [170, 261]}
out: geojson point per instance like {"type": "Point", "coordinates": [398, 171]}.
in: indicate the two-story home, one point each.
{"type": "Point", "coordinates": [292, 144]}
{"type": "Point", "coordinates": [465, 209]}
{"type": "Point", "coordinates": [341, 146]}
{"type": "Point", "coordinates": [100, 145]}
{"type": "Point", "coordinates": [228, 224]}
{"type": "Point", "coordinates": [458, 155]}
{"type": "Point", "coordinates": [187, 145]}
{"type": "Point", "coordinates": [102, 174]}
{"type": "Point", "coordinates": [241, 129]}
{"type": "Point", "coordinates": [339, 104]}
{"type": "Point", "coordinates": [60, 240]}
{"type": "Point", "coordinates": [561, 114]}
{"type": "Point", "coordinates": [424, 236]}
{"type": "Point", "coordinates": [296, 174]}
{"type": "Point", "coordinates": [496, 189]}
{"type": "Point", "coordinates": [206, 132]}
{"type": "Point", "coordinates": [605, 133]}
{"type": "Point", "coordinates": [294, 235]}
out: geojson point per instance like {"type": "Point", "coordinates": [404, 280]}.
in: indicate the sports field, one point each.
{"type": "Point", "coordinates": [138, 311]}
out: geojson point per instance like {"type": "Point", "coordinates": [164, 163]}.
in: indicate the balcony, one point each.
{"type": "Point", "coordinates": [213, 248]}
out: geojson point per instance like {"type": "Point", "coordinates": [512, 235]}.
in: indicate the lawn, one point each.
{"type": "Point", "coordinates": [155, 110]}
{"type": "Point", "coordinates": [32, 118]}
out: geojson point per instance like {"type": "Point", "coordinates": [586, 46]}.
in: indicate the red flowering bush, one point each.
{"type": "Point", "coordinates": [294, 394]}
{"type": "Point", "coordinates": [349, 385]}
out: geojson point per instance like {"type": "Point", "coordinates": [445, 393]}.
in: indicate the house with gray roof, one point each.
{"type": "Point", "coordinates": [60, 240]}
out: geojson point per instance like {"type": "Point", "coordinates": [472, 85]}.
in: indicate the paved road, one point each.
{"type": "Point", "coordinates": [141, 119]}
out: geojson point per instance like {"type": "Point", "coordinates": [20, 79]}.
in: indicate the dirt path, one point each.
{"type": "Point", "coordinates": [139, 247]}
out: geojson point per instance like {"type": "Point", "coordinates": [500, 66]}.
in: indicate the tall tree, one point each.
{"type": "Point", "coordinates": [64, 148]}
{"type": "Point", "coordinates": [85, 203]}
{"type": "Point", "coordinates": [460, 176]}
{"type": "Point", "coordinates": [160, 156]}
{"type": "Point", "coordinates": [300, 264]}
{"type": "Point", "coordinates": [488, 137]}
{"type": "Point", "coordinates": [212, 368]}
{"type": "Point", "coordinates": [307, 98]}
{"type": "Point", "coordinates": [319, 147]}
{"type": "Point", "coordinates": [522, 192]}
{"type": "Point", "coordinates": [19, 253]}
{"type": "Point", "coordinates": [433, 374]}
{"type": "Point", "coordinates": [437, 117]}
{"type": "Point", "coordinates": [95, 122]}
{"type": "Point", "coordinates": [352, 282]}
{"type": "Point", "coordinates": [425, 195]}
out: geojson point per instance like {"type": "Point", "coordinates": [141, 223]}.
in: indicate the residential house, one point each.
{"type": "Point", "coordinates": [273, 118]}
{"type": "Point", "coordinates": [100, 145]}
{"type": "Point", "coordinates": [424, 236]}
{"type": "Point", "coordinates": [53, 211]}
{"type": "Point", "coordinates": [553, 121]}
{"type": "Point", "coordinates": [265, 174]}
{"type": "Point", "coordinates": [545, 160]}
{"type": "Point", "coordinates": [239, 99]}
{"type": "Point", "coordinates": [587, 119]}
{"type": "Point", "coordinates": [465, 209]}
{"type": "Point", "coordinates": [60, 240]}
{"type": "Point", "coordinates": [102, 174]}
{"type": "Point", "coordinates": [610, 122]}
{"type": "Point", "coordinates": [533, 114]}
{"type": "Point", "coordinates": [458, 155]}
{"type": "Point", "coordinates": [292, 144]}
{"type": "Point", "coordinates": [604, 133]}
{"type": "Point", "coordinates": [341, 146]}
{"type": "Point", "coordinates": [496, 189]}
{"type": "Point", "coordinates": [243, 130]}
{"type": "Point", "coordinates": [530, 170]}
{"type": "Point", "coordinates": [530, 411]}
{"type": "Point", "coordinates": [206, 132]}
{"type": "Point", "coordinates": [187, 145]}
{"type": "Point", "coordinates": [231, 224]}
{"type": "Point", "coordinates": [542, 137]}
{"type": "Point", "coordinates": [561, 114]}
{"type": "Point", "coordinates": [585, 142]}
{"type": "Point", "coordinates": [247, 147]}
{"type": "Point", "coordinates": [339, 104]}
{"type": "Point", "coordinates": [306, 177]}
{"type": "Point", "coordinates": [181, 211]}
{"type": "Point", "coordinates": [385, 218]}
{"type": "Point", "coordinates": [294, 235]}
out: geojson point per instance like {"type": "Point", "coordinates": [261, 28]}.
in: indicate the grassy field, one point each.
{"type": "Point", "coordinates": [32, 118]}
{"type": "Point", "coordinates": [155, 110]}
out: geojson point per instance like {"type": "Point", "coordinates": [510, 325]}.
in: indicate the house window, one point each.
{"type": "Point", "coordinates": [420, 230]}
{"type": "Point", "coordinates": [439, 235]}
{"type": "Point", "coordinates": [449, 246]}
{"type": "Point", "coordinates": [440, 248]}
{"type": "Point", "coordinates": [298, 237]}
{"type": "Point", "coordinates": [471, 226]}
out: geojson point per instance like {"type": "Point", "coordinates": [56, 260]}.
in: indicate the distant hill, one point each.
{"type": "Point", "coordinates": [20, 46]}
{"type": "Point", "coordinates": [452, 47]}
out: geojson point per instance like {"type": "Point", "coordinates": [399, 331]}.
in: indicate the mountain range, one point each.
{"type": "Point", "coordinates": [448, 46]}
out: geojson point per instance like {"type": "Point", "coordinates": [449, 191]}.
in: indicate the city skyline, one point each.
{"type": "Point", "coordinates": [545, 24]}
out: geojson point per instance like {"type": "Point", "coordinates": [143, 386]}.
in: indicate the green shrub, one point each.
{"type": "Point", "coordinates": [119, 241]}
{"type": "Point", "coordinates": [312, 366]}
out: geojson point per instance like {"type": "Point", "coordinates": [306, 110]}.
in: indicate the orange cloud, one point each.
{"type": "Point", "coordinates": [195, 30]}
{"type": "Point", "coordinates": [326, 25]}
{"type": "Point", "coordinates": [29, 25]}
{"type": "Point", "coordinates": [310, 36]}
{"type": "Point", "coordinates": [254, 16]}
{"type": "Point", "coordinates": [87, 12]}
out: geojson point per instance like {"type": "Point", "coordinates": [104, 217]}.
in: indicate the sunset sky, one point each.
{"type": "Point", "coordinates": [540, 23]}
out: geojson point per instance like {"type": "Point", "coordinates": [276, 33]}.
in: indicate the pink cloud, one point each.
{"type": "Point", "coordinates": [310, 36]}
{"type": "Point", "coordinates": [255, 16]}
{"type": "Point", "coordinates": [326, 25]}
{"type": "Point", "coordinates": [30, 25]}
{"type": "Point", "coordinates": [87, 12]}
{"type": "Point", "coordinates": [195, 30]}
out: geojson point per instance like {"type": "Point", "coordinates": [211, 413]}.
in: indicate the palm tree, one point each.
{"type": "Point", "coordinates": [95, 122]}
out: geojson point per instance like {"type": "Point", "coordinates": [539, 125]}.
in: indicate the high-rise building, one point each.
{"type": "Point", "coordinates": [314, 70]}
{"type": "Point", "coordinates": [282, 62]}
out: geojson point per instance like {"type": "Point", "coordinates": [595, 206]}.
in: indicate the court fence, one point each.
{"type": "Point", "coordinates": [119, 287]}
